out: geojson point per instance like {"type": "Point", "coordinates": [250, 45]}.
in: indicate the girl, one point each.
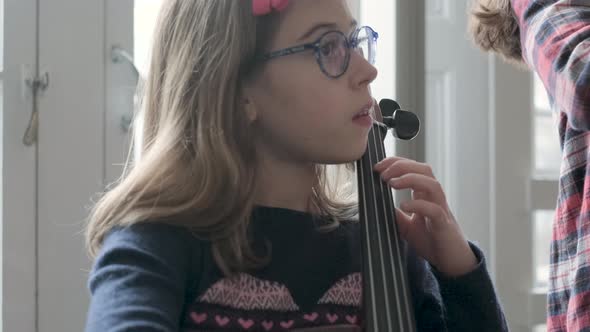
{"type": "Point", "coordinates": [227, 223]}
{"type": "Point", "coordinates": [552, 37]}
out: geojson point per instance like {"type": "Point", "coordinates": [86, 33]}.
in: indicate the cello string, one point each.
{"type": "Point", "coordinates": [373, 150]}
{"type": "Point", "coordinates": [392, 231]}
{"type": "Point", "coordinates": [369, 253]}
{"type": "Point", "coordinates": [374, 236]}
{"type": "Point", "coordinates": [387, 225]}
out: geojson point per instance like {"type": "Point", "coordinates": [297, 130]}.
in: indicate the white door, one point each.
{"type": "Point", "coordinates": [456, 122]}
{"type": "Point", "coordinates": [493, 147]}
{"type": "Point", "coordinates": [527, 161]}
{"type": "Point", "coordinates": [492, 143]}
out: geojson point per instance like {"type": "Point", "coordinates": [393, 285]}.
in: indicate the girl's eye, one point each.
{"type": "Point", "coordinates": [326, 49]}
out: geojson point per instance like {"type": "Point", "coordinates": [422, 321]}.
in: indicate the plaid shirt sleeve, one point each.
{"type": "Point", "coordinates": [555, 37]}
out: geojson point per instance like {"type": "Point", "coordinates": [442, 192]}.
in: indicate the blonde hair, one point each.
{"type": "Point", "coordinates": [494, 27]}
{"type": "Point", "coordinates": [197, 167]}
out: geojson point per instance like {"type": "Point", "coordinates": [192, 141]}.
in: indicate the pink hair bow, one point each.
{"type": "Point", "coordinates": [264, 7]}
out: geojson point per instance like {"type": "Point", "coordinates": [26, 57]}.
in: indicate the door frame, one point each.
{"type": "Point", "coordinates": [411, 70]}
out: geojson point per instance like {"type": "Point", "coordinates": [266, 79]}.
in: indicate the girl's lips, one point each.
{"type": "Point", "coordinates": [364, 120]}
{"type": "Point", "coordinates": [367, 110]}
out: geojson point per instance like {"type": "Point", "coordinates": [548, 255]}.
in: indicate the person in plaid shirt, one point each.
{"type": "Point", "coordinates": [553, 38]}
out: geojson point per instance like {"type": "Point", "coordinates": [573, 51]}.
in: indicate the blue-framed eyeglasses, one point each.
{"type": "Point", "coordinates": [332, 50]}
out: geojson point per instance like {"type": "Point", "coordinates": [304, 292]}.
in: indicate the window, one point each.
{"type": "Point", "coordinates": [546, 151]}
{"type": "Point", "coordinates": [145, 14]}
{"type": "Point", "coordinates": [547, 158]}
{"type": "Point", "coordinates": [542, 220]}
{"type": "Point", "coordinates": [545, 173]}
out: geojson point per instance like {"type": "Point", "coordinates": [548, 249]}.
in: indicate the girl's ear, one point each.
{"type": "Point", "coordinates": [249, 108]}
{"type": "Point", "coordinates": [247, 102]}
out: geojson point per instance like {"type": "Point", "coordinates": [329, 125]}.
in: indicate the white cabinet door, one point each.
{"type": "Point", "coordinates": [79, 140]}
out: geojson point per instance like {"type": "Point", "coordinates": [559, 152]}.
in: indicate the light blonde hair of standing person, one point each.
{"type": "Point", "coordinates": [197, 167]}
{"type": "Point", "coordinates": [494, 27]}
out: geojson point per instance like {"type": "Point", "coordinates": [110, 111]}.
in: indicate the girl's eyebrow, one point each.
{"type": "Point", "coordinates": [319, 26]}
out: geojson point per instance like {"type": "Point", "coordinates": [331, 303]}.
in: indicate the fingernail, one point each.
{"type": "Point", "coordinates": [393, 181]}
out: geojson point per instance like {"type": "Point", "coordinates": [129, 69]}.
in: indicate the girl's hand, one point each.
{"type": "Point", "coordinates": [426, 221]}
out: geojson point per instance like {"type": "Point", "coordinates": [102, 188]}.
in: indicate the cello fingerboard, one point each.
{"type": "Point", "coordinates": [386, 295]}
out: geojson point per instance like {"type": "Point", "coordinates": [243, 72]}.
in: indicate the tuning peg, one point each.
{"type": "Point", "coordinates": [405, 125]}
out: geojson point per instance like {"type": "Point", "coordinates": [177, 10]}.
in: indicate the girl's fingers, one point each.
{"type": "Point", "coordinates": [424, 186]}
{"type": "Point", "coordinates": [385, 163]}
{"type": "Point", "coordinates": [412, 229]}
{"type": "Point", "coordinates": [434, 212]}
{"type": "Point", "coordinates": [404, 223]}
{"type": "Point", "coordinates": [396, 167]}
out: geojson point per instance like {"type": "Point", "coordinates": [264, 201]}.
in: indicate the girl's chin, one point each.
{"type": "Point", "coordinates": [348, 158]}
{"type": "Point", "coordinates": [345, 153]}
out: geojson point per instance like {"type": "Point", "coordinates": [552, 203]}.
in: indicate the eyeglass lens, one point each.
{"type": "Point", "coordinates": [334, 51]}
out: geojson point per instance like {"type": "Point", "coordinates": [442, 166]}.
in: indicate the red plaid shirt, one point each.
{"type": "Point", "coordinates": [555, 36]}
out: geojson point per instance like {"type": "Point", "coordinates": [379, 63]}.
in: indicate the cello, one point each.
{"type": "Point", "coordinates": [387, 302]}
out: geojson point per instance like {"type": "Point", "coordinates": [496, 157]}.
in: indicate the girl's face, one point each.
{"type": "Point", "coordinates": [302, 115]}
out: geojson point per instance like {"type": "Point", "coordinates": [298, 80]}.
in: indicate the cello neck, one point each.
{"type": "Point", "coordinates": [386, 295]}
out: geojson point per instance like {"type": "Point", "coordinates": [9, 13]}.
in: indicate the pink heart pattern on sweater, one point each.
{"type": "Point", "coordinates": [198, 318]}
{"type": "Point", "coordinates": [310, 317]}
{"type": "Point", "coordinates": [287, 324]}
{"type": "Point", "coordinates": [267, 325]}
{"type": "Point", "coordinates": [222, 321]}
{"type": "Point", "coordinates": [246, 323]}
{"type": "Point", "coordinates": [332, 317]}
{"type": "Point", "coordinates": [235, 303]}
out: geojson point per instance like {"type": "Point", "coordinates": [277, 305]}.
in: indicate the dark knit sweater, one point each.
{"type": "Point", "coordinates": [157, 277]}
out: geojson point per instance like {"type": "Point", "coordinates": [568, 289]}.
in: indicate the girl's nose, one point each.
{"type": "Point", "coordinates": [362, 72]}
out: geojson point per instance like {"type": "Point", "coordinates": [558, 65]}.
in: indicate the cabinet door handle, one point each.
{"type": "Point", "coordinates": [119, 55]}
{"type": "Point", "coordinates": [36, 85]}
